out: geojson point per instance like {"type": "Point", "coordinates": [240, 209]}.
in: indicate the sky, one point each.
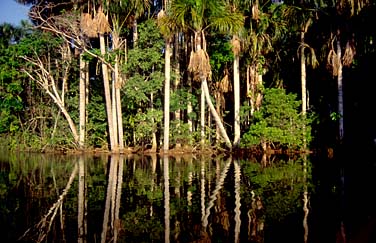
{"type": "Point", "coordinates": [12, 12]}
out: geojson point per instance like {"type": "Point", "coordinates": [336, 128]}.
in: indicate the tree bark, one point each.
{"type": "Point", "coordinates": [166, 132]}
{"type": "Point", "coordinates": [202, 114]}
{"type": "Point", "coordinates": [236, 101]}
{"type": "Point", "coordinates": [82, 100]}
{"type": "Point", "coordinates": [107, 94]}
{"type": "Point", "coordinates": [340, 90]}
{"type": "Point", "coordinates": [215, 114]}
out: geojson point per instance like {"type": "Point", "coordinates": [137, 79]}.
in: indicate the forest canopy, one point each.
{"type": "Point", "coordinates": [169, 75]}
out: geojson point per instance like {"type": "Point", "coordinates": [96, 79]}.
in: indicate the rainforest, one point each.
{"type": "Point", "coordinates": [183, 75]}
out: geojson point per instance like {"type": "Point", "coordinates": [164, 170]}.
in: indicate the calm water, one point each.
{"type": "Point", "coordinates": [102, 198]}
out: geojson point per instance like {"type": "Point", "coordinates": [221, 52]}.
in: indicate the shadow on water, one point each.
{"type": "Point", "coordinates": [137, 198]}
{"type": "Point", "coordinates": [343, 201]}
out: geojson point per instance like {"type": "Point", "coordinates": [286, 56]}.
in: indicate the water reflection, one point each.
{"type": "Point", "coordinates": [154, 199]}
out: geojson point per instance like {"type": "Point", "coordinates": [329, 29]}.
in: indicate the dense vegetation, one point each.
{"type": "Point", "coordinates": [120, 74]}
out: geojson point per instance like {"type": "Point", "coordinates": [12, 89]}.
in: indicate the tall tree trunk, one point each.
{"type": "Point", "coordinates": [107, 93]}
{"type": "Point", "coordinates": [205, 90]}
{"type": "Point", "coordinates": [119, 112]}
{"type": "Point", "coordinates": [154, 144]}
{"type": "Point", "coordinates": [117, 84]}
{"type": "Point", "coordinates": [166, 132]}
{"type": "Point", "coordinates": [114, 113]}
{"type": "Point", "coordinates": [340, 90]}
{"type": "Point", "coordinates": [82, 99]}
{"type": "Point", "coordinates": [177, 81]}
{"type": "Point", "coordinates": [215, 114]}
{"type": "Point", "coordinates": [236, 100]}
{"type": "Point", "coordinates": [135, 32]}
{"type": "Point", "coordinates": [202, 114]}
{"type": "Point", "coordinates": [303, 75]}
{"type": "Point", "coordinates": [190, 95]}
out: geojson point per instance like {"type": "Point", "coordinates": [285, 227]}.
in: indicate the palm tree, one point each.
{"type": "Point", "coordinates": [265, 26]}
{"type": "Point", "coordinates": [197, 17]}
{"type": "Point", "coordinates": [167, 32]}
{"type": "Point", "coordinates": [301, 18]}
{"type": "Point", "coordinates": [342, 55]}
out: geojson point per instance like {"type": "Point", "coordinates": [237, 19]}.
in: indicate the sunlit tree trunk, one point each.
{"type": "Point", "coordinates": [135, 31]}
{"type": "Point", "coordinates": [215, 114]}
{"type": "Point", "coordinates": [166, 131]}
{"type": "Point", "coordinates": [47, 82]}
{"type": "Point", "coordinates": [82, 99]}
{"type": "Point", "coordinates": [190, 90]}
{"type": "Point", "coordinates": [107, 92]}
{"type": "Point", "coordinates": [118, 82]}
{"type": "Point", "coordinates": [202, 114]}
{"type": "Point", "coordinates": [236, 92]}
{"type": "Point", "coordinates": [177, 81]}
{"type": "Point", "coordinates": [303, 75]}
{"type": "Point", "coordinates": [154, 135]}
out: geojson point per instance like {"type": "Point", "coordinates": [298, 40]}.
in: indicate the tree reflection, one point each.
{"type": "Point", "coordinates": [40, 231]}
{"type": "Point", "coordinates": [275, 190]}
{"type": "Point", "coordinates": [82, 201]}
{"type": "Point", "coordinates": [166, 176]}
{"type": "Point", "coordinates": [113, 196]}
{"type": "Point", "coordinates": [161, 199]}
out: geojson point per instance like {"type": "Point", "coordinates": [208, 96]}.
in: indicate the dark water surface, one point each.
{"type": "Point", "coordinates": [102, 198]}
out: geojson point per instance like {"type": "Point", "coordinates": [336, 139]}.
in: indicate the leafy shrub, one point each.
{"type": "Point", "coordinates": [278, 124]}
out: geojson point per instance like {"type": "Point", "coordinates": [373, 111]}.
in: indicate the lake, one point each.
{"type": "Point", "coordinates": [188, 198]}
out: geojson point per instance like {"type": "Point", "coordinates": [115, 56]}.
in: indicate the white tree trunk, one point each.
{"type": "Point", "coordinates": [82, 99]}
{"type": "Point", "coordinates": [236, 101]}
{"type": "Point", "coordinates": [177, 81]}
{"type": "Point", "coordinates": [166, 132]}
{"type": "Point", "coordinates": [303, 75]}
{"type": "Point", "coordinates": [215, 114]}
{"type": "Point", "coordinates": [107, 93]}
{"type": "Point", "coordinates": [202, 114]}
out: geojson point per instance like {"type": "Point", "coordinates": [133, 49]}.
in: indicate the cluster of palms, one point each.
{"type": "Point", "coordinates": [258, 31]}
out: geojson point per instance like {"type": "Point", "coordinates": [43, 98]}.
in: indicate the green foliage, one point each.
{"type": "Point", "coordinates": [279, 185]}
{"type": "Point", "coordinates": [278, 123]}
{"type": "Point", "coordinates": [142, 89]}
{"type": "Point", "coordinates": [180, 133]}
{"type": "Point", "coordinates": [11, 89]}
{"type": "Point", "coordinates": [147, 124]}
{"type": "Point", "coordinates": [221, 55]}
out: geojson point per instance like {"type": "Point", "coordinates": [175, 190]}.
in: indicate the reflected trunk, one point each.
{"type": "Point", "coordinates": [82, 203]}
{"type": "Point", "coordinates": [215, 193]}
{"type": "Point", "coordinates": [113, 196]}
{"type": "Point", "coordinates": [237, 201]}
{"type": "Point", "coordinates": [166, 198]}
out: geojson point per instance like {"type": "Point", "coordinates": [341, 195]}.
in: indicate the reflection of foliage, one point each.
{"type": "Point", "coordinates": [143, 186]}
{"type": "Point", "coordinates": [140, 227]}
{"type": "Point", "coordinates": [280, 187]}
